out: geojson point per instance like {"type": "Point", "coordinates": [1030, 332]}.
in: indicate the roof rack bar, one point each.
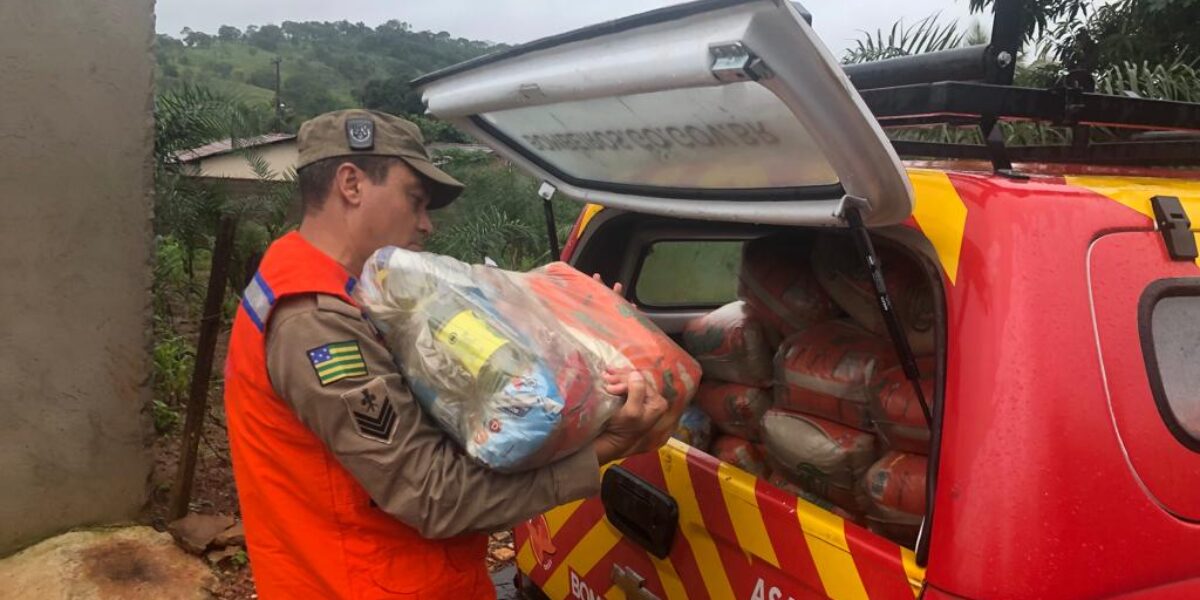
{"type": "Point", "coordinates": [1145, 154]}
{"type": "Point", "coordinates": [957, 64]}
{"type": "Point", "coordinates": [932, 103]}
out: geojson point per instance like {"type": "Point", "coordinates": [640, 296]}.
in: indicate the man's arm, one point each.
{"type": "Point", "coordinates": [410, 468]}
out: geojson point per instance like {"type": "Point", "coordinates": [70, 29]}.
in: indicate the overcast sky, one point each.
{"type": "Point", "coordinates": [515, 21]}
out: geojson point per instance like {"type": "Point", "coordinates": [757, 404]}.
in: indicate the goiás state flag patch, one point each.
{"type": "Point", "coordinates": [337, 361]}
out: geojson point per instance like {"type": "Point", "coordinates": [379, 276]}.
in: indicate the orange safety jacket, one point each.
{"type": "Point", "coordinates": [311, 529]}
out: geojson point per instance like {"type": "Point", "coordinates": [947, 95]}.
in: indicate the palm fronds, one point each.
{"type": "Point", "coordinates": [926, 35]}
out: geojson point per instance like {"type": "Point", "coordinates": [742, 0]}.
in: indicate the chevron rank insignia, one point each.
{"type": "Point", "coordinates": [372, 411]}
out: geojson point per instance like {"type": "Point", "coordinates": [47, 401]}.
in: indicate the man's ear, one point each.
{"type": "Point", "coordinates": [348, 181]}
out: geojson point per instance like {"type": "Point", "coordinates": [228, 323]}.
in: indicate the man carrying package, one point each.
{"type": "Point", "coordinates": [347, 490]}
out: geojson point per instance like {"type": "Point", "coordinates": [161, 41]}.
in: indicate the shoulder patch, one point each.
{"type": "Point", "coordinates": [372, 411]}
{"type": "Point", "coordinates": [337, 361]}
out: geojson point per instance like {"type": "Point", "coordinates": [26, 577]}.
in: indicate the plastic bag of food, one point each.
{"type": "Point", "coordinates": [843, 275]}
{"type": "Point", "coordinates": [496, 366]}
{"type": "Point", "coordinates": [896, 487]}
{"type": "Point", "coordinates": [822, 457]}
{"type": "Point", "coordinates": [730, 344]}
{"type": "Point", "coordinates": [741, 454]}
{"type": "Point", "coordinates": [604, 321]}
{"type": "Point", "coordinates": [827, 369]}
{"type": "Point", "coordinates": [695, 428]}
{"type": "Point", "coordinates": [896, 410]}
{"type": "Point", "coordinates": [776, 280]}
{"type": "Point", "coordinates": [734, 408]}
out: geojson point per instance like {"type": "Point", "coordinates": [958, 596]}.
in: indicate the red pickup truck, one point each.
{"type": "Point", "coordinates": [1064, 419]}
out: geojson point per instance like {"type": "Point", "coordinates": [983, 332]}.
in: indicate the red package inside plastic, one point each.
{"type": "Point", "coordinates": [896, 487]}
{"type": "Point", "coordinates": [776, 280]}
{"type": "Point", "coordinates": [841, 272]}
{"type": "Point", "coordinates": [588, 306]}
{"type": "Point", "coordinates": [897, 411]}
{"type": "Point", "coordinates": [740, 453]}
{"type": "Point", "coordinates": [820, 456]}
{"type": "Point", "coordinates": [826, 370]}
{"type": "Point", "coordinates": [735, 409]}
{"type": "Point", "coordinates": [731, 344]}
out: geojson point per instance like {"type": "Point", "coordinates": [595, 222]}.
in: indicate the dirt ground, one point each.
{"type": "Point", "coordinates": [214, 492]}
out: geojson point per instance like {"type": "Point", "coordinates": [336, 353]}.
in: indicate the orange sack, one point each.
{"type": "Point", "coordinates": [827, 369]}
{"type": "Point", "coordinates": [731, 345]}
{"type": "Point", "coordinates": [590, 307]}
{"type": "Point", "coordinates": [822, 457]}
{"type": "Point", "coordinates": [735, 409]}
{"type": "Point", "coordinates": [843, 275]}
{"type": "Point", "coordinates": [896, 488]}
{"type": "Point", "coordinates": [741, 454]}
{"type": "Point", "coordinates": [776, 280]}
{"type": "Point", "coordinates": [897, 411]}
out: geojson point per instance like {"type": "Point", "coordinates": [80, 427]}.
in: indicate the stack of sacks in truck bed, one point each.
{"type": "Point", "coordinates": [732, 348]}
{"type": "Point", "coordinates": [832, 419]}
{"type": "Point", "coordinates": [736, 345]}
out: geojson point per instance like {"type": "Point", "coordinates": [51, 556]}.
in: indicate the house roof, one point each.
{"type": "Point", "coordinates": [226, 146]}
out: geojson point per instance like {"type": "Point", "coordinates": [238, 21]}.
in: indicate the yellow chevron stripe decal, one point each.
{"type": "Point", "coordinates": [825, 534]}
{"type": "Point", "coordinates": [557, 517]}
{"type": "Point", "coordinates": [941, 214]}
{"type": "Point", "coordinates": [614, 593]}
{"type": "Point", "coordinates": [737, 487]}
{"type": "Point", "coordinates": [671, 583]}
{"type": "Point", "coordinates": [525, 559]}
{"type": "Point", "coordinates": [679, 484]}
{"type": "Point", "coordinates": [916, 574]}
{"type": "Point", "coordinates": [596, 543]}
{"type": "Point", "coordinates": [1135, 193]}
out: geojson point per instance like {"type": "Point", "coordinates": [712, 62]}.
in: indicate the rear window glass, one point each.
{"type": "Point", "coordinates": [689, 273]}
{"type": "Point", "coordinates": [736, 136]}
{"type": "Point", "coordinates": [1174, 361]}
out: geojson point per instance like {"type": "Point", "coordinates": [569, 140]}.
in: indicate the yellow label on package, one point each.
{"type": "Point", "coordinates": [470, 340]}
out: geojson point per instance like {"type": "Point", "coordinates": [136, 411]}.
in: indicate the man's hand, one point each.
{"type": "Point", "coordinates": [617, 287]}
{"type": "Point", "coordinates": [642, 413]}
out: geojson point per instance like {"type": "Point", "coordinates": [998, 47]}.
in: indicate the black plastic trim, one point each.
{"type": "Point", "coordinates": [1164, 288]}
{"type": "Point", "coordinates": [783, 194]}
{"type": "Point", "coordinates": [643, 513]}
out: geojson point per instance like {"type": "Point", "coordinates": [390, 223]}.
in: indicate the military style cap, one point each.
{"type": "Point", "coordinates": [358, 132]}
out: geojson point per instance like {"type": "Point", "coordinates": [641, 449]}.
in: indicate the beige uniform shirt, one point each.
{"type": "Point", "coordinates": [411, 469]}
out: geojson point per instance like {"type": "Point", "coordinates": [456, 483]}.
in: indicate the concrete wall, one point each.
{"type": "Point", "coordinates": [76, 133]}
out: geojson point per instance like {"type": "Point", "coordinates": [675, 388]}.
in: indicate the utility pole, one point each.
{"type": "Point", "coordinates": [278, 99]}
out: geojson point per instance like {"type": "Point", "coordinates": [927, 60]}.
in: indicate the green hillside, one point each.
{"type": "Point", "coordinates": [323, 66]}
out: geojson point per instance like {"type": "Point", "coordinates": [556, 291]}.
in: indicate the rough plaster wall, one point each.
{"type": "Point", "coordinates": [76, 132]}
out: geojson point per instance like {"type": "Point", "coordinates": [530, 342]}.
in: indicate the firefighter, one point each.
{"type": "Point", "coordinates": [347, 489]}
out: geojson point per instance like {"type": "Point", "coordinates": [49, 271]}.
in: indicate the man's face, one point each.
{"type": "Point", "coordinates": [395, 212]}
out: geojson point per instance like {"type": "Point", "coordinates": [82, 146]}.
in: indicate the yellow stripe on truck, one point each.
{"type": "Point", "coordinates": [672, 585]}
{"type": "Point", "coordinates": [737, 488]}
{"type": "Point", "coordinates": [679, 484]}
{"type": "Point", "coordinates": [594, 545]}
{"type": "Point", "coordinates": [557, 517]}
{"type": "Point", "coordinates": [525, 559]}
{"type": "Point", "coordinates": [825, 534]}
{"type": "Point", "coordinates": [915, 573]}
{"type": "Point", "coordinates": [1136, 192]}
{"type": "Point", "coordinates": [941, 215]}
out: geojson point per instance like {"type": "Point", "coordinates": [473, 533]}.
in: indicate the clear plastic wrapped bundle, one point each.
{"type": "Point", "coordinates": [494, 361]}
